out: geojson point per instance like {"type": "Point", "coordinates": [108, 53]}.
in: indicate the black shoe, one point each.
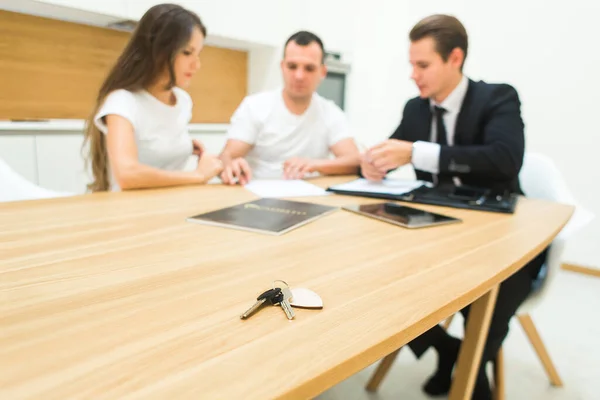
{"type": "Point", "coordinates": [439, 383]}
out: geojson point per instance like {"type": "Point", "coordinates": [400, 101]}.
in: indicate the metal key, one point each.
{"type": "Point", "coordinates": [285, 302]}
{"type": "Point", "coordinates": [271, 296]}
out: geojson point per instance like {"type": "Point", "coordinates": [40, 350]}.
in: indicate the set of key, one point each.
{"type": "Point", "coordinates": [277, 297]}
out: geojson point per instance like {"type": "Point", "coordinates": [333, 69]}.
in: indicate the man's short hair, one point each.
{"type": "Point", "coordinates": [304, 38]}
{"type": "Point", "coordinates": [447, 32]}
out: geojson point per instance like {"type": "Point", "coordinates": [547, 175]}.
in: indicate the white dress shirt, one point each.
{"type": "Point", "coordinates": [426, 155]}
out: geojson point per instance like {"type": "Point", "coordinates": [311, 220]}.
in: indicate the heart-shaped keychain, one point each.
{"type": "Point", "coordinates": [305, 298]}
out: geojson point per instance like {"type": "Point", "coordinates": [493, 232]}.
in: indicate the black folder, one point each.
{"type": "Point", "coordinates": [467, 197]}
{"type": "Point", "coordinates": [271, 216]}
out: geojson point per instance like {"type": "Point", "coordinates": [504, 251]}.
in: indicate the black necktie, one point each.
{"type": "Point", "coordinates": [442, 140]}
{"type": "Point", "coordinates": [441, 128]}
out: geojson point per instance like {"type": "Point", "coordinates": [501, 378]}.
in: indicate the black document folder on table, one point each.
{"type": "Point", "coordinates": [472, 198]}
{"type": "Point", "coordinates": [271, 216]}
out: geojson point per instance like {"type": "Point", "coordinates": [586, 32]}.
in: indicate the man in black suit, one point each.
{"type": "Point", "coordinates": [459, 132]}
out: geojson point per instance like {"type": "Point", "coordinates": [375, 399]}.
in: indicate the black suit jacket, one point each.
{"type": "Point", "coordinates": [489, 139]}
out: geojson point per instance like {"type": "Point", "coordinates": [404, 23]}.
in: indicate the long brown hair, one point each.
{"type": "Point", "coordinates": [159, 36]}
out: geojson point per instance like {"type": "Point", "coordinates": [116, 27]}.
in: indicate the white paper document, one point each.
{"type": "Point", "coordinates": [284, 188]}
{"type": "Point", "coordinates": [386, 186]}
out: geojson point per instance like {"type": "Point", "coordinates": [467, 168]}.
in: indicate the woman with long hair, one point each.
{"type": "Point", "coordinates": [137, 134]}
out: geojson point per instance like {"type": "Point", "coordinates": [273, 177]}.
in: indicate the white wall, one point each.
{"type": "Point", "coordinates": [545, 49]}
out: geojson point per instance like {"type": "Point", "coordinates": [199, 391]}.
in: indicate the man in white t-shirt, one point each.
{"type": "Point", "coordinates": [290, 132]}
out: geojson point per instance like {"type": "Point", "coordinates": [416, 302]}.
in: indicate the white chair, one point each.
{"type": "Point", "coordinates": [13, 187]}
{"type": "Point", "coordinates": [540, 179]}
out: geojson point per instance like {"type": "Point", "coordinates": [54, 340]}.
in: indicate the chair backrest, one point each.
{"type": "Point", "coordinates": [541, 179]}
{"type": "Point", "coordinates": [13, 187]}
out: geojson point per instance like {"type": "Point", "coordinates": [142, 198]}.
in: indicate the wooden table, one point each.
{"type": "Point", "coordinates": [114, 295]}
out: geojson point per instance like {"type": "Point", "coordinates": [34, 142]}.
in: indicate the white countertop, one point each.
{"type": "Point", "coordinates": [77, 125]}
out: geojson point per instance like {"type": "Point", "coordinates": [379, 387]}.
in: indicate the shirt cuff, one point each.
{"type": "Point", "coordinates": [426, 156]}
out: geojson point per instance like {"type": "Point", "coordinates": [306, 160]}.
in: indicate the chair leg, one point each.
{"type": "Point", "coordinates": [447, 322]}
{"type": "Point", "coordinates": [499, 393]}
{"type": "Point", "coordinates": [382, 370]}
{"type": "Point", "coordinates": [540, 349]}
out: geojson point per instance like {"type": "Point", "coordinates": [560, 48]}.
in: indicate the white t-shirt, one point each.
{"type": "Point", "coordinates": [276, 134]}
{"type": "Point", "coordinates": [161, 130]}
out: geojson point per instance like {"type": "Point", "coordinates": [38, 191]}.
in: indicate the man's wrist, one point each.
{"type": "Point", "coordinates": [317, 165]}
{"type": "Point", "coordinates": [225, 158]}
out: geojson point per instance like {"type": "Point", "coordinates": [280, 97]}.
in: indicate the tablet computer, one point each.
{"type": "Point", "coordinates": [404, 216]}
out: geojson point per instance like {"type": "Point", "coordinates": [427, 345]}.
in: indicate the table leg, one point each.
{"type": "Point", "coordinates": [469, 358]}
